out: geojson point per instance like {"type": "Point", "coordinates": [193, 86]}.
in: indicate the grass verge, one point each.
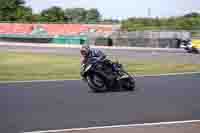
{"type": "Point", "coordinates": [30, 66]}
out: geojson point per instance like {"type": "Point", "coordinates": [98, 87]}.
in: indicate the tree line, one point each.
{"type": "Point", "coordinates": [16, 11]}
{"type": "Point", "coordinates": [189, 21]}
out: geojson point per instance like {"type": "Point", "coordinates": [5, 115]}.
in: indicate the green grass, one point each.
{"type": "Point", "coordinates": [30, 66]}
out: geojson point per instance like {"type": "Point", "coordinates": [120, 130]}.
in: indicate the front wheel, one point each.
{"type": "Point", "coordinates": [96, 83]}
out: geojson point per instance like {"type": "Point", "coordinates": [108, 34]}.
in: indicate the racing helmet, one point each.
{"type": "Point", "coordinates": [85, 50]}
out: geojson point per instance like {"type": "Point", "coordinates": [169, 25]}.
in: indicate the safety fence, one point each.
{"type": "Point", "coordinates": [44, 39]}
{"type": "Point", "coordinates": [162, 39]}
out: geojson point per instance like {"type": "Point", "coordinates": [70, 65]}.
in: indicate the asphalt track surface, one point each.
{"type": "Point", "coordinates": [70, 104]}
{"type": "Point", "coordinates": [134, 54]}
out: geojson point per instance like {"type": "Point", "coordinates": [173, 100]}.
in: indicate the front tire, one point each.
{"type": "Point", "coordinates": [96, 83]}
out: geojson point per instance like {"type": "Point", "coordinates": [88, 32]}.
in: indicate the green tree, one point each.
{"type": "Point", "coordinates": [37, 18]}
{"type": "Point", "coordinates": [9, 9]}
{"type": "Point", "coordinates": [24, 14]}
{"type": "Point", "coordinates": [75, 15]}
{"type": "Point", "coordinates": [79, 15]}
{"type": "Point", "coordinates": [93, 16]}
{"type": "Point", "coordinates": [69, 16]}
{"type": "Point", "coordinates": [53, 14]}
{"type": "Point", "coordinates": [193, 14]}
{"type": "Point", "coordinates": [110, 21]}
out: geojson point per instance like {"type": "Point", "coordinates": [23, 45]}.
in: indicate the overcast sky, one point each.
{"type": "Point", "coordinates": [121, 9]}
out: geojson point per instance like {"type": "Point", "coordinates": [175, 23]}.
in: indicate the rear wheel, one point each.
{"type": "Point", "coordinates": [128, 83]}
{"type": "Point", "coordinates": [195, 50]}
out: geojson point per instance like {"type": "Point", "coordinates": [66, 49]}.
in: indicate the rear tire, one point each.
{"type": "Point", "coordinates": [128, 83]}
{"type": "Point", "coordinates": [195, 50]}
{"type": "Point", "coordinates": [132, 84]}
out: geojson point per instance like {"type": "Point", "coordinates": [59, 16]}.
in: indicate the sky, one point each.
{"type": "Point", "coordinates": [122, 9]}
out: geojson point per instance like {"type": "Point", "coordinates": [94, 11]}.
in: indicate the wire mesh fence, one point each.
{"type": "Point", "coordinates": [162, 39]}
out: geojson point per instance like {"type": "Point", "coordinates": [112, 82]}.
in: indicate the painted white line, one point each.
{"type": "Point", "coordinates": [58, 80]}
{"type": "Point", "coordinates": [116, 126]}
{"type": "Point", "coordinates": [168, 74]}
{"type": "Point", "coordinates": [32, 81]}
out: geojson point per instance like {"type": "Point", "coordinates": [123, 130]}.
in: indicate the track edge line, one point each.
{"type": "Point", "coordinates": [115, 126]}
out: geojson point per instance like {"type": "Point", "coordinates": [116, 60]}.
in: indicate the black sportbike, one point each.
{"type": "Point", "coordinates": [105, 75]}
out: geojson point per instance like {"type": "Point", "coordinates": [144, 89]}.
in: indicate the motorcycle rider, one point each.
{"type": "Point", "coordinates": [95, 55]}
{"type": "Point", "coordinates": [88, 53]}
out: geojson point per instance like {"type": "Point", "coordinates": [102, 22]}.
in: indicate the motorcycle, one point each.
{"type": "Point", "coordinates": [188, 46]}
{"type": "Point", "coordinates": [105, 75]}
